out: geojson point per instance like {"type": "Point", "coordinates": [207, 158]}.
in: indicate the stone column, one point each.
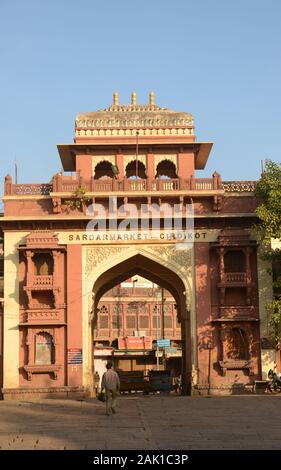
{"type": "Point", "coordinates": [120, 165]}
{"type": "Point", "coordinates": [30, 268]}
{"type": "Point", "coordinates": [188, 357]}
{"type": "Point", "coordinates": [56, 255]}
{"type": "Point", "coordinates": [221, 253]}
{"type": "Point", "coordinates": [74, 312]}
{"type": "Point", "coordinates": [248, 266]}
{"type": "Point", "coordinates": [150, 166]}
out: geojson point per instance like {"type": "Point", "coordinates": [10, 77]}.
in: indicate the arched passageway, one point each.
{"type": "Point", "coordinates": [164, 277]}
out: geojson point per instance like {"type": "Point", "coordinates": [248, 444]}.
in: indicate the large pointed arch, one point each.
{"type": "Point", "coordinates": [131, 253]}
{"type": "Point", "coordinates": [144, 263]}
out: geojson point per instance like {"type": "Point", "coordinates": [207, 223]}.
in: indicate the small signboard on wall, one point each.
{"type": "Point", "coordinates": [163, 343]}
{"type": "Point", "coordinates": [74, 356]}
{"type": "Point", "coordinates": [135, 342]}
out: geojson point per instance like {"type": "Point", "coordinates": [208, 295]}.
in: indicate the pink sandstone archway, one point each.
{"type": "Point", "coordinates": [159, 274]}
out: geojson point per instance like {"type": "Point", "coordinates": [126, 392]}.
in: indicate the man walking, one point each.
{"type": "Point", "coordinates": [111, 383]}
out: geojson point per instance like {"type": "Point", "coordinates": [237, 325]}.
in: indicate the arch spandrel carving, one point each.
{"type": "Point", "coordinates": [167, 255]}
{"type": "Point", "coordinates": [99, 259]}
{"type": "Point", "coordinates": [180, 258]}
{"type": "Point", "coordinates": [95, 256]}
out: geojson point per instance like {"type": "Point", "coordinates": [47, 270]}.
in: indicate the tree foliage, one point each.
{"type": "Point", "coordinates": [79, 199]}
{"type": "Point", "coordinates": [269, 211]}
{"type": "Point", "coordinates": [268, 189]}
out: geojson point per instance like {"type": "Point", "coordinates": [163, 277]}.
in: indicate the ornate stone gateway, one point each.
{"type": "Point", "coordinates": [64, 250]}
{"type": "Point", "coordinates": [163, 265]}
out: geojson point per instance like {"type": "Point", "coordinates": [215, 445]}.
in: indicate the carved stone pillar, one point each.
{"type": "Point", "coordinates": [150, 166]}
{"type": "Point", "coordinates": [28, 343]}
{"type": "Point", "coordinates": [222, 295]}
{"type": "Point", "coordinates": [188, 355]}
{"type": "Point", "coordinates": [30, 268]}
{"type": "Point", "coordinates": [248, 271]}
{"type": "Point", "coordinates": [120, 165]}
{"type": "Point", "coordinates": [248, 262]}
{"type": "Point", "coordinates": [8, 186]}
{"type": "Point", "coordinates": [183, 361]}
{"type": "Point", "coordinates": [56, 256]}
{"type": "Point", "coordinates": [91, 391]}
{"type": "Point", "coordinates": [221, 254]}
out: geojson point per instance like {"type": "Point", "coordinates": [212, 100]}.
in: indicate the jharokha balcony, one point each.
{"type": "Point", "coordinates": [61, 183]}
{"type": "Point", "coordinates": [40, 282]}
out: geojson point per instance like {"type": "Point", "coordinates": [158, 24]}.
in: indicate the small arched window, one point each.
{"type": "Point", "coordinates": [44, 264]}
{"type": "Point", "coordinates": [44, 353]}
{"type": "Point", "coordinates": [166, 170]}
{"type": "Point", "coordinates": [103, 316]}
{"type": "Point", "coordinates": [104, 170]}
{"type": "Point", "coordinates": [237, 344]}
{"type": "Point", "coordinates": [234, 261]}
{"type": "Point", "coordinates": [135, 170]}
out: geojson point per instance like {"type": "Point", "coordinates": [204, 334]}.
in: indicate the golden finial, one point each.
{"type": "Point", "coordinates": [151, 99]}
{"type": "Point", "coordinates": [134, 99]}
{"type": "Point", "coordinates": [115, 98]}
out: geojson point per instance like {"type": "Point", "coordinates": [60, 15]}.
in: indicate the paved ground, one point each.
{"type": "Point", "coordinates": [149, 422]}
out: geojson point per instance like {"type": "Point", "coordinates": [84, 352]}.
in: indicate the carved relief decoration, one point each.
{"type": "Point", "coordinates": [122, 116]}
{"type": "Point", "coordinates": [239, 186]}
{"type": "Point", "coordinates": [132, 133]}
{"type": "Point", "coordinates": [98, 255]}
{"type": "Point", "coordinates": [169, 254]}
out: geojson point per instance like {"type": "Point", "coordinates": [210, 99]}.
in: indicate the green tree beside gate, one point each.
{"type": "Point", "coordinates": [268, 190]}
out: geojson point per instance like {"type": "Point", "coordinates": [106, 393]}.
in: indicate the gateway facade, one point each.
{"type": "Point", "coordinates": [127, 163]}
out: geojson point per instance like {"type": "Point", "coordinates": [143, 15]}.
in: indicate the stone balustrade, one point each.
{"type": "Point", "coordinates": [235, 277]}
{"type": "Point", "coordinates": [68, 184]}
{"type": "Point", "coordinates": [43, 280]}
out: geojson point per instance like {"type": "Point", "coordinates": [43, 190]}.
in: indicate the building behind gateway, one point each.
{"type": "Point", "coordinates": [62, 311]}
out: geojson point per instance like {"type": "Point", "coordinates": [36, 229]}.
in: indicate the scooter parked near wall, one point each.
{"type": "Point", "coordinates": [274, 385]}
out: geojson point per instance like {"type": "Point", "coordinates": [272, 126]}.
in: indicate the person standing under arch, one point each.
{"type": "Point", "coordinates": [111, 383]}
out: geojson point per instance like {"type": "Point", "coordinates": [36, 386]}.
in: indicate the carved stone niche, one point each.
{"type": "Point", "coordinates": [42, 352]}
{"type": "Point", "coordinates": [236, 350]}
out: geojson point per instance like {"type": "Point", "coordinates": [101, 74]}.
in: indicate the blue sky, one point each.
{"type": "Point", "coordinates": [219, 60]}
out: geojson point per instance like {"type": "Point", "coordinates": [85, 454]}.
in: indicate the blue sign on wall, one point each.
{"type": "Point", "coordinates": [74, 356]}
{"type": "Point", "coordinates": [163, 343]}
